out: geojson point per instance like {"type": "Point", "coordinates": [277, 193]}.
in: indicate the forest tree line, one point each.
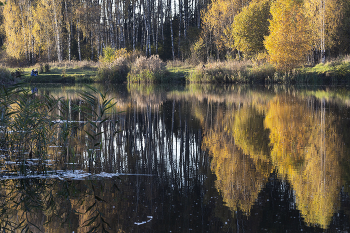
{"type": "Point", "coordinates": [289, 31]}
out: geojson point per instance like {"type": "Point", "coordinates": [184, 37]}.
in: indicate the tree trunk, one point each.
{"type": "Point", "coordinates": [70, 42]}
{"type": "Point", "coordinates": [323, 12]}
{"type": "Point", "coordinates": [48, 50]}
{"type": "Point", "coordinates": [157, 27]}
{"type": "Point", "coordinates": [171, 29]}
{"type": "Point", "coordinates": [180, 23]}
{"type": "Point", "coordinates": [186, 18]}
{"type": "Point", "coordinates": [79, 51]}
{"type": "Point", "coordinates": [133, 26]}
{"type": "Point", "coordinates": [92, 47]}
{"type": "Point", "coordinates": [57, 31]}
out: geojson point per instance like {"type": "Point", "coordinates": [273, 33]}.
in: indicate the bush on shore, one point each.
{"type": "Point", "coordinates": [147, 70]}
{"type": "Point", "coordinates": [113, 72]}
{"type": "Point", "coordinates": [332, 72]}
{"type": "Point", "coordinates": [5, 76]}
{"type": "Point", "coordinates": [113, 66]}
{"type": "Point", "coordinates": [231, 72]}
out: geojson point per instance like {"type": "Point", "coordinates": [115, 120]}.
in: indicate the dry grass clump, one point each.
{"type": "Point", "coordinates": [178, 63]}
{"type": "Point", "coordinates": [147, 70]}
{"type": "Point", "coordinates": [220, 72]}
{"type": "Point", "coordinates": [232, 72]}
{"type": "Point", "coordinates": [73, 64]}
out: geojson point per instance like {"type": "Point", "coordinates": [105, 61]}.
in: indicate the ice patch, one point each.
{"type": "Point", "coordinates": [144, 222]}
{"type": "Point", "coordinates": [66, 175]}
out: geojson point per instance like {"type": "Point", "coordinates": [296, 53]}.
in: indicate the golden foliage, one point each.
{"type": "Point", "coordinates": [13, 26]}
{"type": "Point", "coordinates": [306, 149]}
{"type": "Point", "coordinates": [217, 20]}
{"type": "Point", "coordinates": [300, 142]}
{"type": "Point", "coordinates": [240, 176]}
{"type": "Point", "coordinates": [334, 18]}
{"type": "Point", "coordinates": [289, 41]}
{"type": "Point", "coordinates": [250, 27]}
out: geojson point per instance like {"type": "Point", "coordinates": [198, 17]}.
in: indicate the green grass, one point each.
{"type": "Point", "coordinates": [179, 74]}
{"type": "Point", "coordinates": [334, 72]}
{"type": "Point", "coordinates": [330, 73]}
{"type": "Point", "coordinates": [78, 73]}
{"type": "Point", "coordinates": [59, 73]}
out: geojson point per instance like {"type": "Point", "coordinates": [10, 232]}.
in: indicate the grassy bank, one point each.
{"type": "Point", "coordinates": [153, 70]}
{"type": "Point", "coordinates": [64, 72]}
{"type": "Point", "coordinates": [249, 72]}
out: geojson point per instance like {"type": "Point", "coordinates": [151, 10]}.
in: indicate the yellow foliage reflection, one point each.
{"type": "Point", "coordinates": [240, 177]}
{"type": "Point", "coordinates": [306, 151]}
{"type": "Point", "coordinates": [298, 138]}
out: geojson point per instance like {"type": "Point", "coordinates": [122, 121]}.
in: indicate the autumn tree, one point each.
{"type": "Point", "coordinates": [217, 20]}
{"type": "Point", "coordinates": [2, 31]}
{"type": "Point", "coordinates": [15, 38]}
{"type": "Point", "coordinates": [326, 20]}
{"type": "Point", "coordinates": [250, 27]}
{"type": "Point", "coordinates": [289, 40]}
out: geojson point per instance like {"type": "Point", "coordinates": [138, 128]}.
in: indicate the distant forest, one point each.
{"type": "Point", "coordinates": [56, 30]}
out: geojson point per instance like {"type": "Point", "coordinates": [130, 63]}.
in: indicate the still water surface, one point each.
{"type": "Point", "coordinates": [195, 159]}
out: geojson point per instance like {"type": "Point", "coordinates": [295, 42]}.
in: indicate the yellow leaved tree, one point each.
{"type": "Point", "coordinates": [288, 42]}
{"type": "Point", "coordinates": [217, 20]}
{"type": "Point", "coordinates": [15, 37]}
{"type": "Point", "coordinates": [250, 27]}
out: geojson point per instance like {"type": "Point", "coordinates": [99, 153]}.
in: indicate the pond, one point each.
{"type": "Point", "coordinates": [174, 158]}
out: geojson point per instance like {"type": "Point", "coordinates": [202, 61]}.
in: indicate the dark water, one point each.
{"type": "Point", "coordinates": [194, 159]}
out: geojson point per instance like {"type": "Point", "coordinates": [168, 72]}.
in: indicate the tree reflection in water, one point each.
{"type": "Point", "coordinates": [297, 138]}
{"type": "Point", "coordinates": [200, 159]}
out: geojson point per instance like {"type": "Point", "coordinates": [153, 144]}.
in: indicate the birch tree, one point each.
{"type": "Point", "coordinates": [325, 18]}
{"type": "Point", "coordinates": [15, 40]}
{"type": "Point", "coordinates": [288, 42]}
{"type": "Point", "coordinates": [218, 18]}
{"type": "Point", "coordinates": [250, 27]}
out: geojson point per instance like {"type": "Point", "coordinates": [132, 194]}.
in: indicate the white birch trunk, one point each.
{"type": "Point", "coordinates": [79, 51]}
{"type": "Point", "coordinates": [58, 38]}
{"type": "Point", "coordinates": [133, 26]}
{"type": "Point", "coordinates": [157, 25]}
{"type": "Point", "coordinates": [186, 18]}
{"type": "Point", "coordinates": [180, 23]}
{"type": "Point", "coordinates": [70, 42]}
{"type": "Point", "coordinates": [323, 47]}
{"type": "Point", "coordinates": [171, 30]}
{"type": "Point", "coordinates": [92, 47]}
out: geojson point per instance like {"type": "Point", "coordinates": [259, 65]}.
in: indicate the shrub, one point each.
{"type": "Point", "coordinates": [113, 72]}
{"type": "Point", "coordinates": [108, 55]}
{"type": "Point", "coordinates": [5, 76]}
{"type": "Point", "coordinates": [149, 70]}
{"type": "Point", "coordinates": [46, 68]}
{"type": "Point", "coordinates": [220, 72]}
{"type": "Point", "coordinates": [114, 65]}
{"type": "Point", "coordinates": [262, 73]}
{"type": "Point", "coordinates": [233, 72]}
{"type": "Point", "coordinates": [198, 52]}
{"type": "Point", "coordinates": [41, 68]}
